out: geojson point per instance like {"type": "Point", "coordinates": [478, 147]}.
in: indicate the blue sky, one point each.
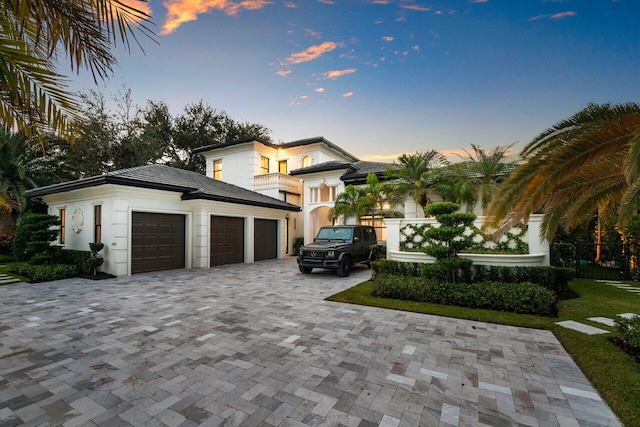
{"type": "Point", "coordinates": [386, 77]}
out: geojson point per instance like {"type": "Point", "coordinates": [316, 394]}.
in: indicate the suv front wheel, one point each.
{"type": "Point", "coordinates": [345, 267]}
{"type": "Point", "coordinates": [305, 270]}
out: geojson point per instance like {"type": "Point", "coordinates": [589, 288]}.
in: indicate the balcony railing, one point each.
{"type": "Point", "coordinates": [279, 181]}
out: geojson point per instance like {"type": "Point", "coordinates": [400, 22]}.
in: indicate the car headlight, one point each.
{"type": "Point", "coordinates": [331, 254]}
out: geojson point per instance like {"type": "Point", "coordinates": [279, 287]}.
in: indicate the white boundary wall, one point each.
{"type": "Point", "coordinates": [538, 247]}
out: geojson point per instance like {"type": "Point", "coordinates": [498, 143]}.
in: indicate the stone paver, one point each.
{"type": "Point", "coordinates": [581, 327]}
{"type": "Point", "coordinates": [257, 345]}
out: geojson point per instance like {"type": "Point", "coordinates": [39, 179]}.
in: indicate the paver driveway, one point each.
{"type": "Point", "coordinates": [257, 345]}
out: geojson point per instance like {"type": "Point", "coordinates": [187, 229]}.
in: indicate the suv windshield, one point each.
{"type": "Point", "coordinates": [335, 234]}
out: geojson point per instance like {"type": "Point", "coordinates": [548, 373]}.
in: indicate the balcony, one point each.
{"type": "Point", "coordinates": [277, 181]}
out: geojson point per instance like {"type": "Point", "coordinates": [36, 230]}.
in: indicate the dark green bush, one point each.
{"type": "Point", "coordinates": [44, 273]}
{"type": "Point", "coordinates": [629, 330]}
{"type": "Point", "coordinates": [563, 254]}
{"type": "Point", "coordinates": [525, 298]}
{"type": "Point", "coordinates": [298, 242]}
{"type": "Point", "coordinates": [80, 259]}
{"type": "Point", "coordinates": [555, 279]}
{"type": "Point", "coordinates": [378, 251]}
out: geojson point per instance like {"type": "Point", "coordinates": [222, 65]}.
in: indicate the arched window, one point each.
{"type": "Point", "coordinates": [306, 161]}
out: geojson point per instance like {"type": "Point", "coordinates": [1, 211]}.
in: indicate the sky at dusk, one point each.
{"type": "Point", "coordinates": [385, 77]}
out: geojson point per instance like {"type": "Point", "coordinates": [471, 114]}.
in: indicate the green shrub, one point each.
{"type": "Point", "coordinates": [297, 244]}
{"type": "Point", "coordinates": [555, 279]}
{"type": "Point", "coordinates": [378, 252]}
{"type": "Point", "coordinates": [525, 298]}
{"type": "Point", "coordinates": [629, 330]}
{"type": "Point", "coordinates": [80, 259]}
{"type": "Point", "coordinates": [44, 273]}
{"type": "Point", "coordinates": [563, 254]}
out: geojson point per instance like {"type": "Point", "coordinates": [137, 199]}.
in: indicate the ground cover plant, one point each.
{"type": "Point", "coordinates": [610, 369]}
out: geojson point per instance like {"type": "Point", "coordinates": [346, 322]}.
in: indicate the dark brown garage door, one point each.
{"type": "Point", "coordinates": [265, 243]}
{"type": "Point", "coordinates": [227, 240]}
{"type": "Point", "coordinates": [157, 242]}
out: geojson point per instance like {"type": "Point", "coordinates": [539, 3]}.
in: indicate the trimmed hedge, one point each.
{"type": "Point", "coordinates": [44, 273]}
{"type": "Point", "coordinates": [70, 263]}
{"type": "Point", "coordinates": [525, 298]}
{"type": "Point", "coordinates": [555, 279]}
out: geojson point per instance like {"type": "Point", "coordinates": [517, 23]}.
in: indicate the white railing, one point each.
{"type": "Point", "coordinates": [538, 248]}
{"type": "Point", "coordinates": [278, 181]}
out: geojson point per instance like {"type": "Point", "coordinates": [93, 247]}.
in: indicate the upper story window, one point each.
{"type": "Point", "coordinates": [282, 167]}
{"type": "Point", "coordinates": [217, 169]}
{"type": "Point", "coordinates": [306, 161]}
{"type": "Point", "coordinates": [324, 193]}
{"type": "Point", "coordinates": [63, 217]}
{"type": "Point", "coordinates": [97, 223]}
{"type": "Point", "coordinates": [264, 165]}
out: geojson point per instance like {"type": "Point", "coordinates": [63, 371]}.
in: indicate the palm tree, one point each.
{"type": "Point", "coordinates": [351, 203]}
{"type": "Point", "coordinates": [33, 95]}
{"type": "Point", "coordinates": [586, 164]}
{"type": "Point", "coordinates": [477, 177]}
{"type": "Point", "coordinates": [413, 178]}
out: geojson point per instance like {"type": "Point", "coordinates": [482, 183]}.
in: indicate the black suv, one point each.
{"type": "Point", "coordinates": [338, 247]}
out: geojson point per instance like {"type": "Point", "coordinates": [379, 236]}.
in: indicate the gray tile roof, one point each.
{"type": "Point", "coordinates": [193, 185]}
{"type": "Point", "coordinates": [323, 167]}
{"type": "Point", "coordinates": [297, 143]}
{"type": "Point", "coordinates": [362, 169]}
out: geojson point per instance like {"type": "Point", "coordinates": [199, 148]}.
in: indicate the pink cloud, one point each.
{"type": "Point", "coordinates": [387, 38]}
{"type": "Point", "coordinates": [347, 95]}
{"type": "Point", "coordinates": [334, 74]}
{"type": "Point", "coordinates": [319, 90]}
{"type": "Point", "coordinates": [283, 73]}
{"type": "Point", "coordinates": [415, 7]}
{"type": "Point", "coordinates": [559, 15]}
{"type": "Point", "coordinates": [183, 11]}
{"type": "Point", "coordinates": [563, 14]}
{"type": "Point", "coordinates": [311, 53]}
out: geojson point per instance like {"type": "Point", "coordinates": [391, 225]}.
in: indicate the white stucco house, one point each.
{"type": "Point", "coordinates": [254, 200]}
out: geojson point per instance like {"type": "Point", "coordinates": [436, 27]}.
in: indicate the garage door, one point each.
{"type": "Point", "coordinates": [227, 240]}
{"type": "Point", "coordinates": [157, 242]}
{"type": "Point", "coordinates": [265, 241]}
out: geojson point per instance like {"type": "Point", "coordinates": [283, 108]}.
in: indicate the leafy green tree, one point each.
{"type": "Point", "coordinates": [586, 164]}
{"type": "Point", "coordinates": [202, 125]}
{"type": "Point", "coordinates": [414, 176]}
{"type": "Point", "coordinates": [34, 98]}
{"type": "Point", "coordinates": [450, 238]}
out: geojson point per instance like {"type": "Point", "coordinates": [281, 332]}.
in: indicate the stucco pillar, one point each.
{"type": "Point", "coordinates": [537, 244]}
{"type": "Point", "coordinates": [200, 257]}
{"type": "Point", "coordinates": [393, 234]}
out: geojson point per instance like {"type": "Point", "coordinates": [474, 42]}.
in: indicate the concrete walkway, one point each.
{"type": "Point", "coordinates": [257, 345]}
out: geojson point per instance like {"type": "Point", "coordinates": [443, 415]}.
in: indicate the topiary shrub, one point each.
{"type": "Point", "coordinates": [450, 238]}
{"type": "Point", "coordinates": [95, 261]}
{"type": "Point", "coordinates": [34, 235]}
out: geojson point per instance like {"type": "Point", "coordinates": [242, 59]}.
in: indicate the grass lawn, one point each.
{"type": "Point", "coordinates": [615, 374]}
